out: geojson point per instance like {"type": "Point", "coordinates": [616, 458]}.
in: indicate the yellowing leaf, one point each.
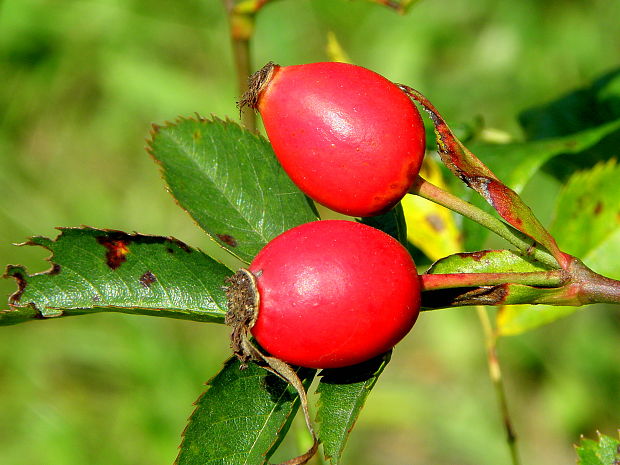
{"type": "Point", "coordinates": [334, 50]}
{"type": "Point", "coordinates": [431, 227]}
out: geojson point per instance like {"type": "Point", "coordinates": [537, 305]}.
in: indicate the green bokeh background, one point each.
{"type": "Point", "coordinates": [80, 83]}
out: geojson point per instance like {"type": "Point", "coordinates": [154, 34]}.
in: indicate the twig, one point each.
{"type": "Point", "coordinates": [495, 374]}
{"type": "Point", "coordinates": [241, 32]}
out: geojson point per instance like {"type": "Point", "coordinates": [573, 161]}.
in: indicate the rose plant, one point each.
{"type": "Point", "coordinates": [330, 295]}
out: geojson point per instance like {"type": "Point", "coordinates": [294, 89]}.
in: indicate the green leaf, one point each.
{"type": "Point", "coordinates": [588, 107]}
{"type": "Point", "coordinates": [230, 182]}
{"type": "Point", "coordinates": [586, 225]}
{"type": "Point", "coordinates": [588, 210]}
{"type": "Point", "coordinates": [103, 270]}
{"type": "Point", "coordinates": [516, 163]}
{"type": "Point", "coordinates": [392, 223]}
{"type": "Point", "coordinates": [604, 452]}
{"type": "Point", "coordinates": [343, 393]}
{"type": "Point", "coordinates": [240, 418]}
{"type": "Point", "coordinates": [401, 6]}
{"type": "Point", "coordinates": [486, 261]}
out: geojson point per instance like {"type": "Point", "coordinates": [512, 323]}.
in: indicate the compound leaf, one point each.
{"type": "Point", "coordinates": [240, 418]}
{"type": "Point", "coordinates": [97, 270]}
{"type": "Point", "coordinates": [230, 182]}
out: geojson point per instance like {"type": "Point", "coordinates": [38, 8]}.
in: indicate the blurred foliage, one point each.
{"type": "Point", "coordinates": [605, 451]}
{"type": "Point", "coordinates": [82, 82]}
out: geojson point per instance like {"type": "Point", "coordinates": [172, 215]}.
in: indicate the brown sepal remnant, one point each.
{"type": "Point", "coordinates": [256, 84]}
{"type": "Point", "coordinates": [243, 302]}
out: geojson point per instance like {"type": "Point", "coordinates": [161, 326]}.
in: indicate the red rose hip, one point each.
{"type": "Point", "coordinates": [349, 138]}
{"type": "Point", "coordinates": [332, 293]}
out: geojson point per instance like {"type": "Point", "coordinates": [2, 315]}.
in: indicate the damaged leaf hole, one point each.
{"type": "Point", "coordinates": [21, 287]}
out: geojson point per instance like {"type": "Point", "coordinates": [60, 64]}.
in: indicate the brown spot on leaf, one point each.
{"type": "Point", "coordinates": [147, 279]}
{"type": "Point", "coordinates": [169, 250]}
{"type": "Point", "coordinates": [598, 208]}
{"type": "Point", "coordinates": [227, 239]}
{"type": "Point", "coordinates": [477, 256]}
{"type": "Point", "coordinates": [117, 245]}
{"type": "Point", "coordinates": [197, 135]}
{"type": "Point", "coordinates": [435, 222]}
{"type": "Point", "coordinates": [182, 245]}
{"type": "Point", "coordinates": [55, 269]}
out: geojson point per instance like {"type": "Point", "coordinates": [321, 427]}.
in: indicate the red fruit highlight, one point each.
{"type": "Point", "coordinates": [349, 138]}
{"type": "Point", "coordinates": [333, 293]}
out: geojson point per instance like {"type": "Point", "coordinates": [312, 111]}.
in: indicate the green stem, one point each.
{"type": "Point", "coordinates": [241, 32]}
{"type": "Point", "coordinates": [433, 282]}
{"type": "Point", "coordinates": [495, 374]}
{"type": "Point", "coordinates": [429, 191]}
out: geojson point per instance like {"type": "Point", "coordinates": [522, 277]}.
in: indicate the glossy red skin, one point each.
{"type": "Point", "coordinates": [334, 293]}
{"type": "Point", "coordinates": [348, 137]}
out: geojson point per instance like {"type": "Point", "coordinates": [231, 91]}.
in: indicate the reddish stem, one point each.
{"type": "Point", "coordinates": [588, 287]}
{"type": "Point", "coordinates": [433, 282]}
